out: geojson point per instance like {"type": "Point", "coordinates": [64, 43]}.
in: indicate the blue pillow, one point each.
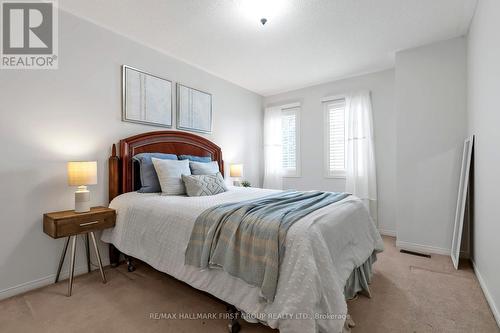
{"type": "Point", "coordinates": [149, 178]}
{"type": "Point", "coordinates": [193, 158]}
{"type": "Point", "coordinates": [203, 168]}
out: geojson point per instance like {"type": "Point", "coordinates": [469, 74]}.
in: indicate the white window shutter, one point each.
{"type": "Point", "coordinates": [288, 136]}
{"type": "Point", "coordinates": [290, 128]}
{"type": "Point", "coordinates": [336, 137]}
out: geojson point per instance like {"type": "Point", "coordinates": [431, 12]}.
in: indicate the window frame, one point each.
{"type": "Point", "coordinates": [293, 108]}
{"type": "Point", "coordinates": [340, 174]}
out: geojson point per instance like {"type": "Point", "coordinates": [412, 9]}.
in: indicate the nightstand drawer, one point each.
{"type": "Point", "coordinates": [71, 227]}
{"type": "Point", "coordinates": [63, 224]}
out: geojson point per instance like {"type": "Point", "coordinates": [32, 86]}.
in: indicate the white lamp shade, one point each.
{"type": "Point", "coordinates": [82, 173]}
{"type": "Point", "coordinates": [235, 170]}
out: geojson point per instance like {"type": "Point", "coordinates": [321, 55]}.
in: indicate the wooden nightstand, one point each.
{"type": "Point", "coordinates": [70, 224]}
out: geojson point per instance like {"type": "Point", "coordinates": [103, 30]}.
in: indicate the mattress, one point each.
{"type": "Point", "coordinates": [322, 250]}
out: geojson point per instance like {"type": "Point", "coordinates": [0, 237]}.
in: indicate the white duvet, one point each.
{"type": "Point", "coordinates": [322, 249]}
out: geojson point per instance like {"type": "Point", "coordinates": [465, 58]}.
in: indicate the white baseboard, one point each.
{"type": "Point", "coordinates": [38, 283]}
{"type": "Point", "coordinates": [387, 232]}
{"type": "Point", "coordinates": [487, 294]}
{"type": "Point", "coordinates": [47, 280]}
{"type": "Point", "coordinates": [422, 248]}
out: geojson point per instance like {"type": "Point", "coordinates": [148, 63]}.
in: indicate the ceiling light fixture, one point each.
{"type": "Point", "coordinates": [262, 11]}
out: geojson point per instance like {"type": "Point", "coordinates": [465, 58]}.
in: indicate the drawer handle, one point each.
{"type": "Point", "coordinates": [88, 223]}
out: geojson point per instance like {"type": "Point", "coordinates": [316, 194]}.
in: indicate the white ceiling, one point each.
{"type": "Point", "coordinates": [304, 42]}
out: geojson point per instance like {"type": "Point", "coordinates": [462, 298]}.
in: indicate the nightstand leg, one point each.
{"type": "Point", "coordinates": [61, 261]}
{"type": "Point", "coordinates": [98, 257]}
{"type": "Point", "coordinates": [72, 268]}
{"type": "Point", "coordinates": [87, 249]}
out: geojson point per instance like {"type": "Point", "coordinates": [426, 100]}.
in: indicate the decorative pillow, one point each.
{"type": "Point", "coordinates": [201, 185]}
{"type": "Point", "coordinates": [169, 175]}
{"type": "Point", "coordinates": [196, 158]}
{"type": "Point", "coordinates": [204, 168]}
{"type": "Point", "coordinates": [149, 178]}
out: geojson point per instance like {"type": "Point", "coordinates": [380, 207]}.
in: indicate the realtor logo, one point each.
{"type": "Point", "coordinates": [29, 35]}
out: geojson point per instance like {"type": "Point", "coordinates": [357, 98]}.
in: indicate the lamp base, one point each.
{"type": "Point", "coordinates": [82, 200]}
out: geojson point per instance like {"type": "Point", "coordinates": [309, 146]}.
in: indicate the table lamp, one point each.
{"type": "Point", "coordinates": [82, 174]}
{"type": "Point", "coordinates": [235, 171]}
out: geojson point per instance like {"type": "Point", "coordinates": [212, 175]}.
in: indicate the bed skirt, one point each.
{"type": "Point", "coordinates": [360, 278]}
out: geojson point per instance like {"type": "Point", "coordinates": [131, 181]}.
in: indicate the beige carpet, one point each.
{"type": "Point", "coordinates": [410, 294]}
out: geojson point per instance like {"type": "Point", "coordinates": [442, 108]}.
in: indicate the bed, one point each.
{"type": "Point", "coordinates": [328, 258]}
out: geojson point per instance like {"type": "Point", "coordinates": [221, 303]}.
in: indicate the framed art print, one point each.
{"type": "Point", "coordinates": [194, 109]}
{"type": "Point", "coordinates": [147, 98]}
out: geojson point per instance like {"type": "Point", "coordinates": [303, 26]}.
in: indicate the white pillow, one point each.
{"type": "Point", "coordinates": [170, 175]}
{"type": "Point", "coordinates": [204, 168]}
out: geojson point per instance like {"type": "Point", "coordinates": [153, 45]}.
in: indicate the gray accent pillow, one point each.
{"type": "Point", "coordinates": [149, 178]}
{"type": "Point", "coordinates": [169, 175]}
{"type": "Point", "coordinates": [204, 168]}
{"type": "Point", "coordinates": [201, 185]}
{"type": "Point", "coordinates": [195, 158]}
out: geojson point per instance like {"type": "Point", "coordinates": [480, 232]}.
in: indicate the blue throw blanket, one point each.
{"type": "Point", "coordinates": [247, 239]}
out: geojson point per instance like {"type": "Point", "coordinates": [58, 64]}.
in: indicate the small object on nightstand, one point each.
{"type": "Point", "coordinates": [71, 224]}
{"type": "Point", "coordinates": [246, 183]}
{"type": "Point", "coordinates": [235, 171]}
{"type": "Point", "coordinates": [82, 174]}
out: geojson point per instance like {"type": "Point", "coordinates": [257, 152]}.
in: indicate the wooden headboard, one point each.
{"type": "Point", "coordinates": [121, 168]}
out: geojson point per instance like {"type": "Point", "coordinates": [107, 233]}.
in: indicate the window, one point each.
{"type": "Point", "coordinates": [290, 140]}
{"type": "Point", "coordinates": [335, 137]}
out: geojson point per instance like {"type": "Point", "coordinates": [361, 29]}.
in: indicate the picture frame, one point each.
{"type": "Point", "coordinates": [146, 98]}
{"type": "Point", "coordinates": [463, 189]}
{"type": "Point", "coordinates": [194, 109]}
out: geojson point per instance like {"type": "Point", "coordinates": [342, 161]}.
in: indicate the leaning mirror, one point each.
{"type": "Point", "coordinates": [461, 200]}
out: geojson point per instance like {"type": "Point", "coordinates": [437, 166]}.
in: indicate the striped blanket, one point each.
{"type": "Point", "coordinates": [247, 239]}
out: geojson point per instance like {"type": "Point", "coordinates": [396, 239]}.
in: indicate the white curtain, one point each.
{"type": "Point", "coordinates": [360, 153]}
{"type": "Point", "coordinates": [273, 173]}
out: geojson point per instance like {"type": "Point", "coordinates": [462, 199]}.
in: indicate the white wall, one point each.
{"type": "Point", "coordinates": [484, 120]}
{"type": "Point", "coordinates": [431, 127]}
{"type": "Point", "coordinates": [48, 117]}
{"type": "Point", "coordinates": [381, 85]}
